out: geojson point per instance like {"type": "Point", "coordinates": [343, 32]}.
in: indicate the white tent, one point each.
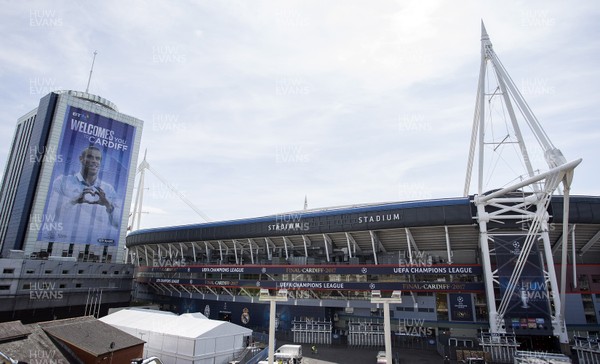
{"type": "Point", "coordinates": [190, 338]}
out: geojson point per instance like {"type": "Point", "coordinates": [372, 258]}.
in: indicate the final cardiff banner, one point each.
{"type": "Point", "coordinates": [89, 180]}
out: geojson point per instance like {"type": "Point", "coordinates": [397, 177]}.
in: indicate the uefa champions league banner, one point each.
{"type": "Point", "coordinates": [529, 305]}
{"type": "Point", "coordinates": [89, 180]}
{"type": "Point", "coordinates": [461, 306]}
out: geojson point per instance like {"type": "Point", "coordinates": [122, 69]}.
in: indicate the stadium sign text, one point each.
{"type": "Point", "coordinates": [379, 218]}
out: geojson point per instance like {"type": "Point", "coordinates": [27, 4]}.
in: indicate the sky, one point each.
{"type": "Point", "coordinates": [249, 106]}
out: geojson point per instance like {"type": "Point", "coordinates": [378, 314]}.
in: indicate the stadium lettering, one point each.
{"type": "Point", "coordinates": [295, 226]}
{"type": "Point", "coordinates": [378, 218]}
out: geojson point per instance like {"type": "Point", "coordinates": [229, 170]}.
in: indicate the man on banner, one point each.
{"type": "Point", "coordinates": [86, 206]}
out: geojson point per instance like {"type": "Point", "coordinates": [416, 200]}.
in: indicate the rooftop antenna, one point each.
{"type": "Point", "coordinates": [305, 202]}
{"type": "Point", "coordinates": [91, 70]}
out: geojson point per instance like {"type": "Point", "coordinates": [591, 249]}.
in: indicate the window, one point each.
{"type": "Point", "coordinates": [48, 271]}
{"type": "Point", "coordinates": [62, 285]}
{"type": "Point", "coordinates": [65, 272]}
{"type": "Point", "coordinates": [78, 285]}
{"type": "Point", "coordinates": [4, 287]}
{"type": "Point", "coordinates": [104, 272]}
{"type": "Point", "coordinates": [8, 270]}
{"type": "Point", "coordinates": [27, 286]}
{"type": "Point", "coordinates": [80, 271]}
{"type": "Point", "coordinates": [116, 272]}
{"type": "Point", "coordinates": [30, 271]}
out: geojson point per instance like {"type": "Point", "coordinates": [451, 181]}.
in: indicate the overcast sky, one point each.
{"type": "Point", "coordinates": [249, 106]}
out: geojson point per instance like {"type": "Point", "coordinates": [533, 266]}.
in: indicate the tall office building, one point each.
{"type": "Point", "coordinates": [64, 203]}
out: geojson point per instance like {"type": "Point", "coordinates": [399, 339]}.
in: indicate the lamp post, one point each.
{"type": "Point", "coordinates": [387, 331]}
{"type": "Point", "coordinates": [281, 296]}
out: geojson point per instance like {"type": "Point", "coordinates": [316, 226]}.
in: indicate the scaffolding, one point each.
{"type": "Point", "coordinates": [587, 348]}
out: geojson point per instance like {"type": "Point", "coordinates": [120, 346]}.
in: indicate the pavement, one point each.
{"type": "Point", "coordinates": [342, 354]}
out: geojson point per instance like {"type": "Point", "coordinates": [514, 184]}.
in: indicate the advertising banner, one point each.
{"type": "Point", "coordinates": [529, 306]}
{"type": "Point", "coordinates": [324, 285]}
{"type": "Point", "coordinates": [89, 180]}
{"type": "Point", "coordinates": [437, 269]}
{"type": "Point", "coordinates": [461, 306]}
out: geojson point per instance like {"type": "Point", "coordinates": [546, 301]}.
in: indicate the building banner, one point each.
{"type": "Point", "coordinates": [529, 305]}
{"type": "Point", "coordinates": [460, 306]}
{"type": "Point", "coordinates": [89, 180]}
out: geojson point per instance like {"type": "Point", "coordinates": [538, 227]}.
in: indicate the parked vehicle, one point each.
{"type": "Point", "coordinates": [289, 353]}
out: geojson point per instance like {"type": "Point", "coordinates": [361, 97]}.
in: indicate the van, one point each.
{"type": "Point", "coordinates": [289, 353]}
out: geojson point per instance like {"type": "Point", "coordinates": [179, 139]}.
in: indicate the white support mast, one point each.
{"type": "Point", "coordinates": [139, 198]}
{"type": "Point", "coordinates": [524, 202]}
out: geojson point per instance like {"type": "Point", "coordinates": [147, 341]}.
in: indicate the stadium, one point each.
{"type": "Point", "coordinates": [500, 270]}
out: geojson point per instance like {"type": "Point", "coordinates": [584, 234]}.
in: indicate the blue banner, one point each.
{"type": "Point", "coordinates": [529, 305]}
{"type": "Point", "coordinates": [460, 306]}
{"type": "Point", "coordinates": [89, 180]}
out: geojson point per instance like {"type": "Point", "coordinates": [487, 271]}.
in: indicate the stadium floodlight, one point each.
{"type": "Point", "coordinates": [280, 296]}
{"type": "Point", "coordinates": [387, 331]}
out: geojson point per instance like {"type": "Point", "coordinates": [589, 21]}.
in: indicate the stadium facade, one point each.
{"type": "Point", "coordinates": [64, 205]}
{"type": "Point", "coordinates": [331, 261]}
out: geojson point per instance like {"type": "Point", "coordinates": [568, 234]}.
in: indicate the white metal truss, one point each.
{"type": "Point", "coordinates": [375, 245]}
{"type": "Point", "coordinates": [558, 242]}
{"type": "Point", "coordinates": [306, 241]}
{"type": "Point", "coordinates": [328, 246]}
{"type": "Point", "coordinates": [448, 248]}
{"type": "Point", "coordinates": [412, 244]}
{"type": "Point", "coordinates": [525, 202]}
{"type": "Point", "coordinates": [590, 243]}
{"type": "Point", "coordinates": [353, 247]}
{"type": "Point", "coordinates": [270, 246]}
{"type": "Point", "coordinates": [287, 242]}
{"type": "Point", "coordinates": [137, 209]}
{"type": "Point", "coordinates": [235, 252]}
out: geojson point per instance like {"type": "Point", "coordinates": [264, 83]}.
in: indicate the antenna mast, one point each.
{"type": "Point", "coordinates": [91, 70]}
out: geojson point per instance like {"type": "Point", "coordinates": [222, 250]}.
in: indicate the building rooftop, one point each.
{"type": "Point", "coordinates": [90, 335]}
{"type": "Point", "coordinates": [29, 343]}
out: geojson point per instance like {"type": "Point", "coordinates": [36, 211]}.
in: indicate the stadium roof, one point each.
{"type": "Point", "coordinates": [433, 225]}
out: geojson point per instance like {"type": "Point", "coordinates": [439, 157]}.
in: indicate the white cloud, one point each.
{"type": "Point", "coordinates": [249, 106]}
